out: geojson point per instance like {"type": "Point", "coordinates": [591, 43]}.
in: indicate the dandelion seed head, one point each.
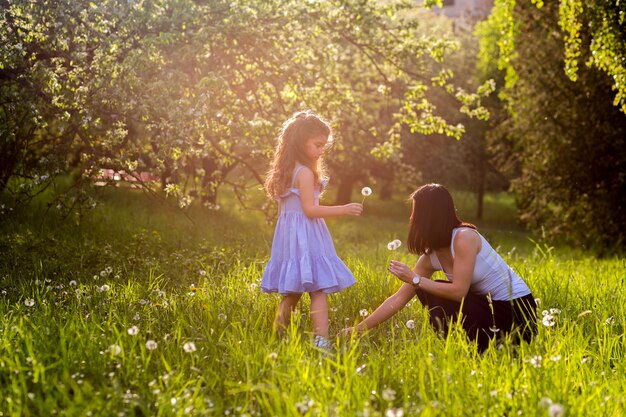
{"type": "Point", "coordinates": [73, 283]}
{"type": "Point", "coordinates": [133, 330]}
{"type": "Point", "coordinates": [556, 410]}
{"type": "Point", "coordinates": [29, 302]}
{"type": "Point", "coordinates": [410, 324]}
{"type": "Point", "coordinates": [548, 320]}
{"type": "Point", "coordinates": [388, 394]}
{"type": "Point", "coordinates": [272, 355]}
{"type": "Point", "coordinates": [363, 313]}
{"type": "Point", "coordinates": [115, 350]}
{"type": "Point", "coordinates": [189, 347]}
{"type": "Point", "coordinates": [151, 345]}
{"type": "Point", "coordinates": [366, 191]}
{"type": "Point", "coordinates": [397, 242]}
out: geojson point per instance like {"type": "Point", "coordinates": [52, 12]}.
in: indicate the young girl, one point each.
{"type": "Point", "coordinates": [303, 256]}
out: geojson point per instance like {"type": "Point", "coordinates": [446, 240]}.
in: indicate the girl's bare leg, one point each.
{"type": "Point", "coordinates": [319, 313]}
{"type": "Point", "coordinates": [285, 309]}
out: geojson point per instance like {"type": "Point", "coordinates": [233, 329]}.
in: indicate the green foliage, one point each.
{"type": "Point", "coordinates": [66, 313]}
{"type": "Point", "coordinates": [563, 133]}
{"type": "Point", "coordinates": [195, 92]}
{"type": "Point", "coordinates": [593, 30]}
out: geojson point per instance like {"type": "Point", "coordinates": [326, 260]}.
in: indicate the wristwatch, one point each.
{"type": "Point", "coordinates": [416, 280]}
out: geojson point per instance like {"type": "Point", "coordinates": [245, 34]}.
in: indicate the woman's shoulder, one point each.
{"type": "Point", "coordinates": [466, 237]}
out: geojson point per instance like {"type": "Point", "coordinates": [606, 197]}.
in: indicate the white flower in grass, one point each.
{"type": "Point", "coordinates": [556, 410]}
{"type": "Point", "coordinates": [363, 313]}
{"type": "Point", "coordinates": [536, 361]}
{"type": "Point", "coordinates": [272, 355]}
{"type": "Point", "coordinates": [29, 302]}
{"type": "Point", "coordinates": [115, 350]}
{"type": "Point", "coordinates": [394, 412]}
{"type": "Point", "coordinates": [189, 347]}
{"type": "Point", "coordinates": [73, 283]}
{"type": "Point", "coordinates": [366, 191]}
{"type": "Point", "coordinates": [203, 272]}
{"type": "Point", "coordinates": [104, 288]}
{"type": "Point", "coordinates": [555, 311]}
{"type": "Point", "coordinates": [151, 345]}
{"type": "Point", "coordinates": [545, 402]}
{"type": "Point", "coordinates": [388, 394]}
{"type": "Point", "coordinates": [133, 330]}
{"type": "Point", "coordinates": [548, 320]}
{"type": "Point", "coordinates": [555, 358]}
{"type": "Point", "coordinates": [410, 324]}
{"type": "Point", "coordinates": [609, 321]}
{"type": "Point", "coordinates": [394, 244]}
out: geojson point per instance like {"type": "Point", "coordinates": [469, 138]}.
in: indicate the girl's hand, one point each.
{"type": "Point", "coordinates": [402, 271]}
{"type": "Point", "coordinates": [353, 209]}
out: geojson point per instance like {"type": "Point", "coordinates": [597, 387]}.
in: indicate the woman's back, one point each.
{"type": "Point", "coordinates": [491, 275]}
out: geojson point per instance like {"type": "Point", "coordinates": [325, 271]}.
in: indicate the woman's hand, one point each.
{"type": "Point", "coordinates": [347, 332]}
{"type": "Point", "coordinates": [402, 271]}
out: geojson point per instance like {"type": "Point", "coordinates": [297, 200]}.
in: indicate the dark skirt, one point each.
{"type": "Point", "coordinates": [517, 317]}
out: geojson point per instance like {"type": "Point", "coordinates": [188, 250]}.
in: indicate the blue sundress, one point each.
{"type": "Point", "coordinates": [303, 256]}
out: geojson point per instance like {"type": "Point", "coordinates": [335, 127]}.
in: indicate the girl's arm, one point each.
{"type": "Point", "coordinates": [305, 182]}
{"type": "Point", "coordinates": [397, 301]}
{"type": "Point", "coordinates": [466, 247]}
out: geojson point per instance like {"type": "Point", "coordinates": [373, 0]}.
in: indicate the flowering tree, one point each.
{"type": "Point", "coordinates": [195, 92]}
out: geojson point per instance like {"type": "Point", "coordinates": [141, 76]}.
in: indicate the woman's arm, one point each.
{"type": "Point", "coordinates": [305, 182]}
{"type": "Point", "coordinates": [388, 308]}
{"type": "Point", "coordinates": [397, 301]}
{"type": "Point", "coordinates": [466, 247]}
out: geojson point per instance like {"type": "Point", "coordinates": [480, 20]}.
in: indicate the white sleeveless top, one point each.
{"type": "Point", "coordinates": [491, 274]}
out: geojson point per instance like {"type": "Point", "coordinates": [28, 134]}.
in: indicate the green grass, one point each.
{"type": "Point", "coordinates": [182, 282]}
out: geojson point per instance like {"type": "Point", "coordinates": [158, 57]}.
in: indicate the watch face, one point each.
{"type": "Point", "coordinates": [416, 280]}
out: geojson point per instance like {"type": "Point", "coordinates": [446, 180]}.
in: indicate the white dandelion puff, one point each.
{"type": "Point", "coordinates": [189, 347]}
{"type": "Point", "coordinates": [394, 244]}
{"type": "Point", "coordinates": [536, 361]}
{"type": "Point", "coordinates": [151, 345]}
{"type": "Point", "coordinates": [548, 320]}
{"type": "Point", "coordinates": [366, 191]}
{"type": "Point", "coordinates": [556, 410]}
{"type": "Point", "coordinates": [272, 355]}
{"type": "Point", "coordinates": [133, 330]}
{"type": "Point", "coordinates": [73, 283]}
{"type": "Point", "coordinates": [363, 313]}
{"type": "Point", "coordinates": [29, 302]}
{"type": "Point", "coordinates": [410, 324]}
{"type": "Point", "coordinates": [494, 329]}
{"type": "Point", "coordinates": [388, 394]}
{"type": "Point", "coordinates": [115, 350]}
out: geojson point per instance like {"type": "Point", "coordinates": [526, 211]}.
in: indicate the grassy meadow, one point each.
{"type": "Point", "coordinates": [139, 310]}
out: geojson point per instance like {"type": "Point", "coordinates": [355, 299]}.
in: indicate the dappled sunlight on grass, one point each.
{"type": "Point", "coordinates": [139, 311]}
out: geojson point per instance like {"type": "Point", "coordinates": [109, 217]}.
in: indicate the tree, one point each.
{"type": "Point", "coordinates": [195, 92]}
{"type": "Point", "coordinates": [568, 135]}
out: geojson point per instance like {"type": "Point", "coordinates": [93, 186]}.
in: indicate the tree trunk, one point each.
{"type": "Point", "coordinates": [481, 175]}
{"type": "Point", "coordinates": [344, 194]}
{"type": "Point", "coordinates": [386, 190]}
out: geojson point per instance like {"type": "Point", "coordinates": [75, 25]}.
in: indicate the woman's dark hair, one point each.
{"type": "Point", "coordinates": [433, 219]}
